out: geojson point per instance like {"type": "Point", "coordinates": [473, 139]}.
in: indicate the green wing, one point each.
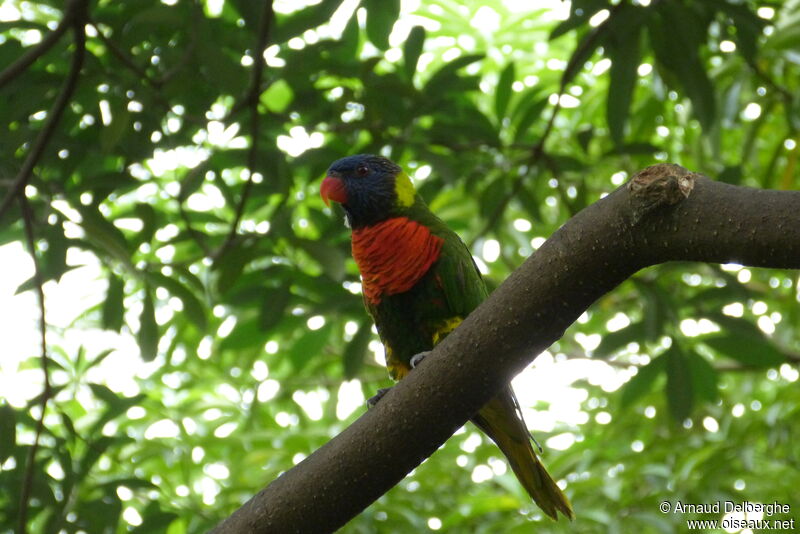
{"type": "Point", "coordinates": [460, 278]}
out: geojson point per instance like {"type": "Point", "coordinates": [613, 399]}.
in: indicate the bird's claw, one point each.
{"type": "Point", "coordinates": [417, 358]}
{"type": "Point", "coordinates": [372, 401]}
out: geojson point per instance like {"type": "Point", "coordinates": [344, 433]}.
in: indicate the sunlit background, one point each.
{"type": "Point", "coordinates": [555, 391]}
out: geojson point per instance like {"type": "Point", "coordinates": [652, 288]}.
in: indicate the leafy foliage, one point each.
{"type": "Point", "coordinates": [231, 331]}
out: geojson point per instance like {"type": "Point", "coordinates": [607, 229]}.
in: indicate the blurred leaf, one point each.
{"type": "Point", "coordinates": [113, 308]}
{"type": "Point", "coordinates": [114, 132]}
{"type": "Point", "coordinates": [330, 258]}
{"type": "Point", "coordinates": [493, 195]}
{"type": "Point", "coordinates": [273, 308]}
{"type": "Point", "coordinates": [148, 335]}
{"type": "Point", "coordinates": [633, 149]}
{"type": "Point", "coordinates": [584, 137]}
{"type": "Point", "coordinates": [445, 76]}
{"type": "Point", "coordinates": [309, 346]}
{"type": "Point", "coordinates": [245, 334]}
{"type": "Point", "coordinates": [746, 24]}
{"type": "Point", "coordinates": [191, 182]}
{"type": "Point", "coordinates": [642, 382]}
{"type": "Point", "coordinates": [357, 350]}
{"type": "Point", "coordinates": [381, 16]}
{"type": "Point", "coordinates": [749, 350]}
{"type": "Point", "coordinates": [676, 38]}
{"type": "Point", "coordinates": [105, 394]}
{"type": "Point", "coordinates": [412, 49]}
{"type": "Point", "coordinates": [8, 432]}
{"type": "Point", "coordinates": [680, 391]}
{"type": "Point", "coordinates": [531, 114]}
{"type": "Point", "coordinates": [148, 216]}
{"type": "Point", "coordinates": [278, 96]}
{"type": "Point", "coordinates": [193, 307]}
{"type": "Point", "coordinates": [731, 175]}
{"type": "Point", "coordinates": [503, 90]}
{"type": "Point", "coordinates": [704, 377]}
{"type": "Point", "coordinates": [625, 58]}
{"type": "Point", "coordinates": [579, 13]}
{"type": "Point", "coordinates": [304, 19]}
{"type": "Point", "coordinates": [105, 235]}
{"type": "Point", "coordinates": [619, 339]}
{"type": "Point", "coordinates": [155, 521]}
{"type": "Point", "coordinates": [99, 515]}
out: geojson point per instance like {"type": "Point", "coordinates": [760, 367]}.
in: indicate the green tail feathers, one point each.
{"type": "Point", "coordinates": [536, 480]}
{"type": "Point", "coordinates": [502, 421]}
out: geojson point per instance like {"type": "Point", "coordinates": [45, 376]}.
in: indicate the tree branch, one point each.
{"type": "Point", "coordinates": [76, 15]}
{"type": "Point", "coordinates": [27, 479]}
{"type": "Point", "coordinates": [29, 58]}
{"type": "Point", "coordinates": [649, 220]}
{"type": "Point", "coordinates": [251, 99]}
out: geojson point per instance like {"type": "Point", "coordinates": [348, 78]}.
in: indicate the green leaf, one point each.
{"type": "Point", "coordinates": [113, 309]}
{"type": "Point", "coordinates": [273, 308]}
{"type": "Point", "coordinates": [749, 350]}
{"type": "Point", "coordinates": [614, 341]}
{"type": "Point", "coordinates": [191, 182]}
{"type": "Point", "coordinates": [245, 334]}
{"type": "Point", "coordinates": [625, 56]}
{"type": "Point", "coordinates": [381, 16]}
{"type": "Point", "coordinates": [633, 149]}
{"type": "Point", "coordinates": [115, 132]}
{"type": "Point", "coordinates": [94, 450]}
{"type": "Point", "coordinates": [438, 83]}
{"type": "Point", "coordinates": [531, 114]}
{"type": "Point", "coordinates": [102, 514]}
{"type": "Point", "coordinates": [731, 174]}
{"type": "Point", "coordinates": [105, 394]}
{"type": "Point", "coordinates": [676, 35]}
{"type": "Point", "coordinates": [155, 521]}
{"type": "Point", "coordinates": [746, 25]}
{"type": "Point", "coordinates": [193, 307]}
{"type": "Point", "coordinates": [584, 137]}
{"type": "Point", "coordinates": [642, 382]}
{"type": "Point", "coordinates": [504, 90]}
{"type": "Point", "coordinates": [305, 19]}
{"type": "Point", "coordinates": [8, 432]}
{"type": "Point", "coordinates": [330, 258]}
{"type": "Point", "coordinates": [580, 12]}
{"type": "Point", "coordinates": [105, 235]}
{"type": "Point", "coordinates": [148, 335]}
{"type": "Point", "coordinates": [680, 392]}
{"type": "Point", "coordinates": [148, 216]}
{"type": "Point", "coordinates": [786, 35]}
{"type": "Point", "coordinates": [309, 346]}
{"type": "Point", "coordinates": [356, 351]}
{"type": "Point", "coordinates": [412, 49]}
{"type": "Point", "coordinates": [704, 377]}
{"type": "Point", "coordinates": [579, 57]}
{"type": "Point", "coordinates": [278, 96]}
{"type": "Point", "coordinates": [492, 195]}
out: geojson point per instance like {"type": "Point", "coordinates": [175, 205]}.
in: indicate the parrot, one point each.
{"type": "Point", "coordinates": [419, 281]}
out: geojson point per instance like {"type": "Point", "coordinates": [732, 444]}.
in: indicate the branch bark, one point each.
{"type": "Point", "coordinates": [665, 213]}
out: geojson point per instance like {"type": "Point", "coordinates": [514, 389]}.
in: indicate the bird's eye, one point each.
{"type": "Point", "coordinates": [362, 170]}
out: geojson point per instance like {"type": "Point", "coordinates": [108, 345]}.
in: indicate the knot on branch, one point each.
{"type": "Point", "coordinates": [665, 184]}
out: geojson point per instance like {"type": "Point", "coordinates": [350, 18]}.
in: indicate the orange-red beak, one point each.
{"type": "Point", "coordinates": [332, 188]}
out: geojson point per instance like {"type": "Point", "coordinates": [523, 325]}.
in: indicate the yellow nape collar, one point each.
{"type": "Point", "coordinates": [404, 189]}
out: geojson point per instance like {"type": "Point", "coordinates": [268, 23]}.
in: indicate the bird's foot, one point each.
{"type": "Point", "coordinates": [417, 358]}
{"type": "Point", "coordinates": [372, 401]}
